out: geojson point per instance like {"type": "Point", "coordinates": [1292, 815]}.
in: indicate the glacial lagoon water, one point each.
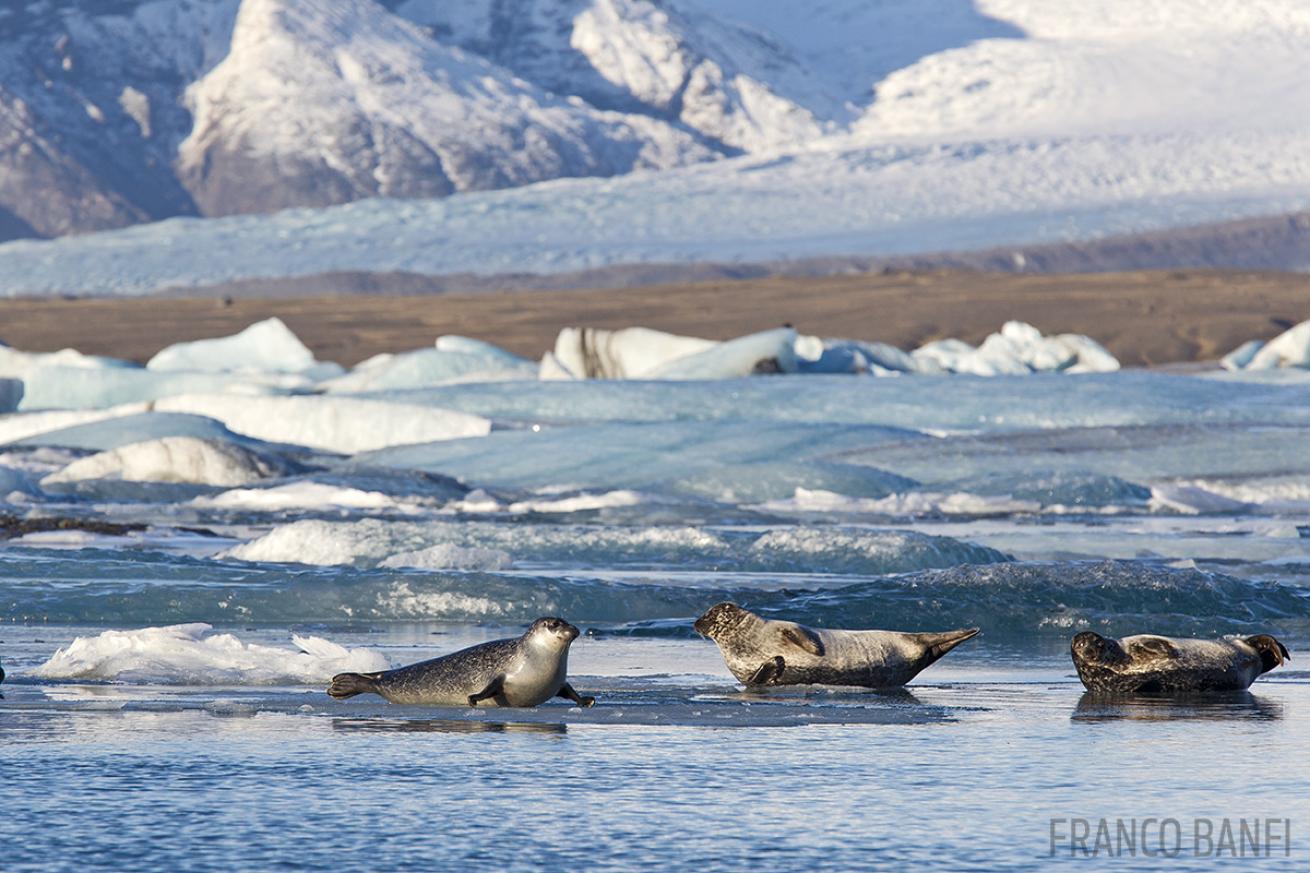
{"type": "Point", "coordinates": [1031, 506]}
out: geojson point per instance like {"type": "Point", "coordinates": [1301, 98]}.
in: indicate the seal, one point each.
{"type": "Point", "coordinates": [2, 679]}
{"type": "Point", "coordinates": [761, 652]}
{"type": "Point", "coordinates": [520, 671]}
{"type": "Point", "coordinates": [1146, 664]}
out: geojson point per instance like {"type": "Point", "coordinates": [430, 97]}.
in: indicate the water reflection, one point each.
{"type": "Point", "coordinates": [1211, 706]}
{"type": "Point", "coordinates": [444, 726]}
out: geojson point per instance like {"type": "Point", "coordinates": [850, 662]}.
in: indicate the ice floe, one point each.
{"type": "Point", "coordinates": [187, 654]}
{"type": "Point", "coordinates": [331, 423]}
{"type": "Point", "coordinates": [173, 459]}
{"type": "Point", "coordinates": [452, 359]}
{"type": "Point", "coordinates": [447, 556]}
{"type": "Point", "coordinates": [265, 346]}
{"type": "Point", "coordinates": [1291, 348]}
{"type": "Point", "coordinates": [305, 496]}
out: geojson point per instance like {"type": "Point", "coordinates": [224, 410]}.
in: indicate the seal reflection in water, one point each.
{"type": "Point", "coordinates": [761, 652]}
{"type": "Point", "coordinates": [1145, 663]}
{"type": "Point", "coordinates": [522, 671]}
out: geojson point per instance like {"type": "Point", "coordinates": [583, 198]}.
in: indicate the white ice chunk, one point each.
{"type": "Point", "coordinates": [60, 387]}
{"type": "Point", "coordinates": [552, 369]}
{"type": "Point", "coordinates": [265, 346]}
{"type": "Point", "coordinates": [770, 351]}
{"type": "Point", "coordinates": [1018, 348]}
{"type": "Point", "coordinates": [631, 353]}
{"type": "Point", "coordinates": [172, 459]}
{"type": "Point", "coordinates": [1289, 349]}
{"type": "Point", "coordinates": [24, 425]}
{"type": "Point", "coordinates": [1240, 357]}
{"type": "Point", "coordinates": [183, 655]}
{"type": "Point", "coordinates": [911, 503]}
{"type": "Point", "coordinates": [334, 424]}
{"type": "Point", "coordinates": [16, 364]}
{"type": "Point", "coordinates": [461, 360]}
{"type": "Point", "coordinates": [304, 496]}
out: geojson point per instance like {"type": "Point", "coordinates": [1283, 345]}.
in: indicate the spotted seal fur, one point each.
{"type": "Point", "coordinates": [520, 671]}
{"type": "Point", "coordinates": [1145, 663]}
{"type": "Point", "coordinates": [762, 652]}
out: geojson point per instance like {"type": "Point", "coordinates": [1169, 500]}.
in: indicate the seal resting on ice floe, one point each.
{"type": "Point", "coordinates": [521, 671]}
{"type": "Point", "coordinates": [762, 652]}
{"type": "Point", "coordinates": [1146, 663]}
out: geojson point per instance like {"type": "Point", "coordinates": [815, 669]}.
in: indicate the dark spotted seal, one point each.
{"type": "Point", "coordinates": [760, 652]}
{"type": "Point", "coordinates": [523, 671]}
{"type": "Point", "coordinates": [1146, 663]}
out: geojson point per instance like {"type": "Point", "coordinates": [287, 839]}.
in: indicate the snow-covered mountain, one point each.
{"type": "Point", "coordinates": [769, 130]}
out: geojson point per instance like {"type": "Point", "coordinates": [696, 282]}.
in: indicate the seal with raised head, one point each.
{"type": "Point", "coordinates": [520, 671]}
{"type": "Point", "coordinates": [763, 652]}
{"type": "Point", "coordinates": [1147, 664]}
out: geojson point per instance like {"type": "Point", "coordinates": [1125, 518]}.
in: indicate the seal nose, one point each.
{"type": "Point", "coordinates": [571, 631]}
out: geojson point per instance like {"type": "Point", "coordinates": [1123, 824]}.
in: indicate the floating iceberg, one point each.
{"type": "Point", "coordinates": [304, 496]}
{"type": "Point", "coordinates": [1019, 348]}
{"type": "Point", "coordinates": [103, 434]}
{"type": "Point", "coordinates": [454, 359]}
{"type": "Point", "coordinates": [333, 424]}
{"type": "Point", "coordinates": [630, 353]}
{"type": "Point", "coordinates": [172, 459]}
{"type": "Point", "coordinates": [24, 425]}
{"type": "Point", "coordinates": [183, 655]}
{"type": "Point", "coordinates": [58, 387]}
{"type": "Point", "coordinates": [266, 346]}
{"type": "Point", "coordinates": [1291, 348]}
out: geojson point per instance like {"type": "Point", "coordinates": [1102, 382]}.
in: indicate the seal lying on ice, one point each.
{"type": "Point", "coordinates": [1146, 663]}
{"type": "Point", "coordinates": [760, 652]}
{"type": "Point", "coordinates": [521, 671]}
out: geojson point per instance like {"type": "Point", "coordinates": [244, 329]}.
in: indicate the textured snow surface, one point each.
{"type": "Point", "coordinates": [187, 654]}
{"type": "Point", "coordinates": [867, 129]}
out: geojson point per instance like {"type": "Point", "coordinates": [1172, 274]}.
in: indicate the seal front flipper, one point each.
{"type": "Point", "coordinates": [493, 688]}
{"type": "Point", "coordinates": [566, 691]}
{"type": "Point", "coordinates": [349, 684]}
{"type": "Point", "coordinates": [769, 671]}
{"type": "Point", "coordinates": [804, 638]}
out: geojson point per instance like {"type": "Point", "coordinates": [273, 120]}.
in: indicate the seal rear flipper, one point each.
{"type": "Point", "coordinates": [566, 691]}
{"type": "Point", "coordinates": [494, 687]}
{"type": "Point", "coordinates": [1272, 652]}
{"type": "Point", "coordinates": [939, 644]}
{"type": "Point", "coordinates": [770, 671]}
{"type": "Point", "coordinates": [349, 684]}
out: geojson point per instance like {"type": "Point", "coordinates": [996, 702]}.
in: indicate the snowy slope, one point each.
{"type": "Point", "coordinates": [327, 101]}
{"type": "Point", "coordinates": [873, 128]}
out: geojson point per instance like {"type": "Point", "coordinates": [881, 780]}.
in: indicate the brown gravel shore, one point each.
{"type": "Point", "coordinates": [1144, 318]}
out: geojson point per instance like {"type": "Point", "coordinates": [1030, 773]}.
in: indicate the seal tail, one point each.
{"type": "Point", "coordinates": [349, 684]}
{"type": "Point", "coordinates": [939, 644]}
